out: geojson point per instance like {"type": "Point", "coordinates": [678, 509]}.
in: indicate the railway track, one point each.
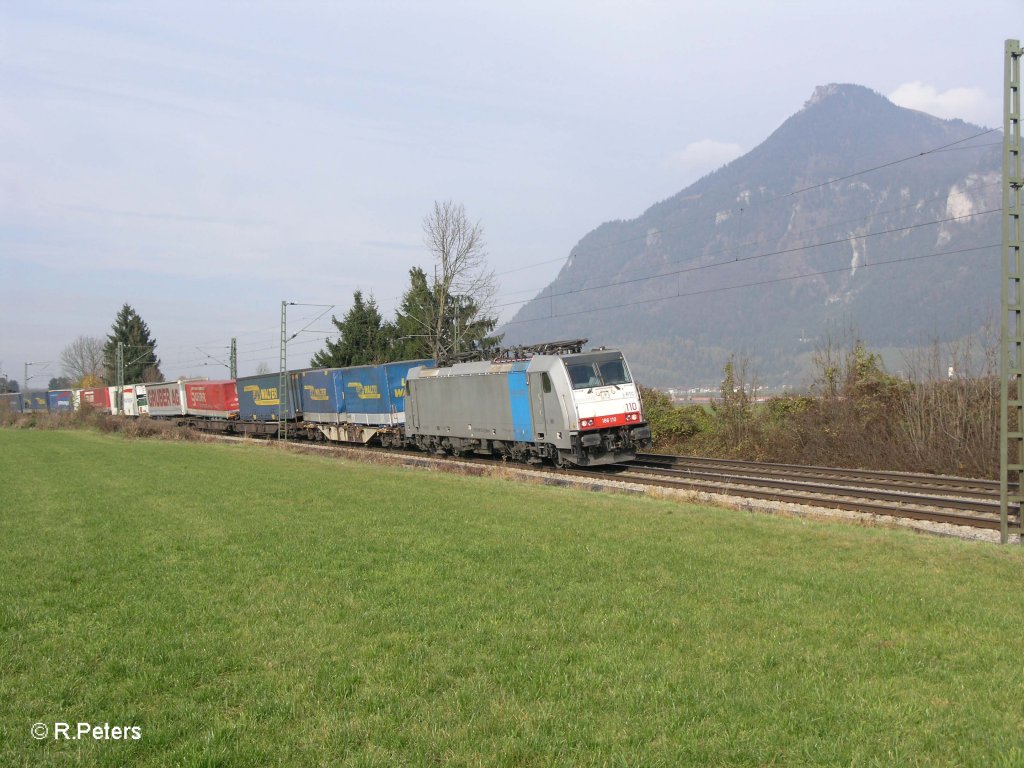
{"type": "Point", "coordinates": [937, 498]}
{"type": "Point", "coordinates": [934, 498]}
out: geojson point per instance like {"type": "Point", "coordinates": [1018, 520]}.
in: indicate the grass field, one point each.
{"type": "Point", "coordinates": [243, 605]}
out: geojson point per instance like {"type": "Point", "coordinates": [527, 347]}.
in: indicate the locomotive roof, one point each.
{"type": "Point", "coordinates": [532, 363]}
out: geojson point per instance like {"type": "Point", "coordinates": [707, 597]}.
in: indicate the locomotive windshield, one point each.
{"type": "Point", "coordinates": [597, 370]}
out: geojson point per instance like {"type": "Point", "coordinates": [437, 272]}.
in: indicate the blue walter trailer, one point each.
{"type": "Point", "coordinates": [34, 401]}
{"type": "Point", "coordinates": [357, 404]}
{"type": "Point", "coordinates": [30, 401]}
{"type": "Point", "coordinates": [259, 398]}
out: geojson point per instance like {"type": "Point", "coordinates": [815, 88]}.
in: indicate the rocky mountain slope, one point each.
{"type": "Point", "coordinates": [792, 243]}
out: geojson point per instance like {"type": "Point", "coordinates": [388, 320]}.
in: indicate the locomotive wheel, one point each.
{"type": "Point", "coordinates": [558, 458]}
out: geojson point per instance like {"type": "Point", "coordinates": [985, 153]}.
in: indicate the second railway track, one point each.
{"type": "Point", "coordinates": [943, 499]}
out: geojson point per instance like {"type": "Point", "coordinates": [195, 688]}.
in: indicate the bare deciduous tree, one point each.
{"type": "Point", "coordinates": [462, 294]}
{"type": "Point", "coordinates": [82, 360]}
{"type": "Point", "coordinates": [151, 374]}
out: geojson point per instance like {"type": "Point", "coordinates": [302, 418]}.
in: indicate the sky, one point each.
{"type": "Point", "coordinates": [205, 161]}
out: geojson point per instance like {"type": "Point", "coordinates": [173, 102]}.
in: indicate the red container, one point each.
{"type": "Point", "coordinates": [97, 397]}
{"type": "Point", "coordinates": [212, 398]}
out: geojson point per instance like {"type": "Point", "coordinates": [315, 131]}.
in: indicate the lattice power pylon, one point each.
{"type": "Point", "coordinates": [1011, 374]}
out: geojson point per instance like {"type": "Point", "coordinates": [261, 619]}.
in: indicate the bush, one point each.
{"type": "Point", "coordinates": [91, 418]}
{"type": "Point", "coordinates": [671, 425]}
{"type": "Point", "coordinates": [854, 415]}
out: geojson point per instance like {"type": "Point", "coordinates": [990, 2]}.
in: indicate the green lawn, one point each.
{"type": "Point", "coordinates": [249, 606]}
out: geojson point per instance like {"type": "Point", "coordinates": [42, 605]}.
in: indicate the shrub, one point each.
{"type": "Point", "coordinates": [671, 425]}
{"type": "Point", "coordinates": [855, 414]}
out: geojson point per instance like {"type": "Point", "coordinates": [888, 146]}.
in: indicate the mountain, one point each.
{"type": "Point", "coordinates": [835, 224]}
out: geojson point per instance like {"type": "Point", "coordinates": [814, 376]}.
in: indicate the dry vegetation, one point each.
{"type": "Point", "coordinates": [855, 415]}
{"type": "Point", "coordinates": [90, 418]}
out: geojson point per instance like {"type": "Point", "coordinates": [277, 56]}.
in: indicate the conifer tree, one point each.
{"type": "Point", "coordinates": [364, 337]}
{"type": "Point", "coordinates": [140, 361]}
{"type": "Point", "coordinates": [412, 325]}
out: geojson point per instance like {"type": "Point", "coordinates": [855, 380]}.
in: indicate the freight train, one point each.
{"type": "Point", "coordinates": [551, 402]}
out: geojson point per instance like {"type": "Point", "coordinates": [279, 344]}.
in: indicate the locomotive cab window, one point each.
{"type": "Point", "coordinates": [599, 370]}
{"type": "Point", "coordinates": [545, 382]}
{"type": "Point", "coordinates": [613, 372]}
{"type": "Point", "coordinates": [583, 375]}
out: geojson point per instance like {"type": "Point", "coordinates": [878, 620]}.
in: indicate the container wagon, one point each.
{"type": "Point", "coordinates": [260, 410]}
{"type": "Point", "coordinates": [96, 397]}
{"type": "Point", "coordinates": [166, 400]}
{"type": "Point", "coordinates": [134, 402]}
{"type": "Point", "coordinates": [11, 401]}
{"type": "Point", "coordinates": [59, 400]}
{"type": "Point", "coordinates": [215, 402]}
{"type": "Point", "coordinates": [34, 401]}
{"type": "Point", "coordinates": [358, 404]}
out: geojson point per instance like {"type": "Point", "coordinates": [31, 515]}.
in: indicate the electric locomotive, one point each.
{"type": "Point", "coordinates": [553, 401]}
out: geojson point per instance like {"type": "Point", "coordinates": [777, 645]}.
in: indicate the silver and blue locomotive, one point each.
{"type": "Point", "coordinates": [548, 402]}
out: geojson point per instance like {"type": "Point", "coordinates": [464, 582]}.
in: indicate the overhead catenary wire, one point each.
{"type": "Point", "coordinates": [538, 292]}
{"type": "Point", "coordinates": [781, 252]}
{"type": "Point", "coordinates": [249, 355]}
{"type": "Point", "coordinates": [890, 164]}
